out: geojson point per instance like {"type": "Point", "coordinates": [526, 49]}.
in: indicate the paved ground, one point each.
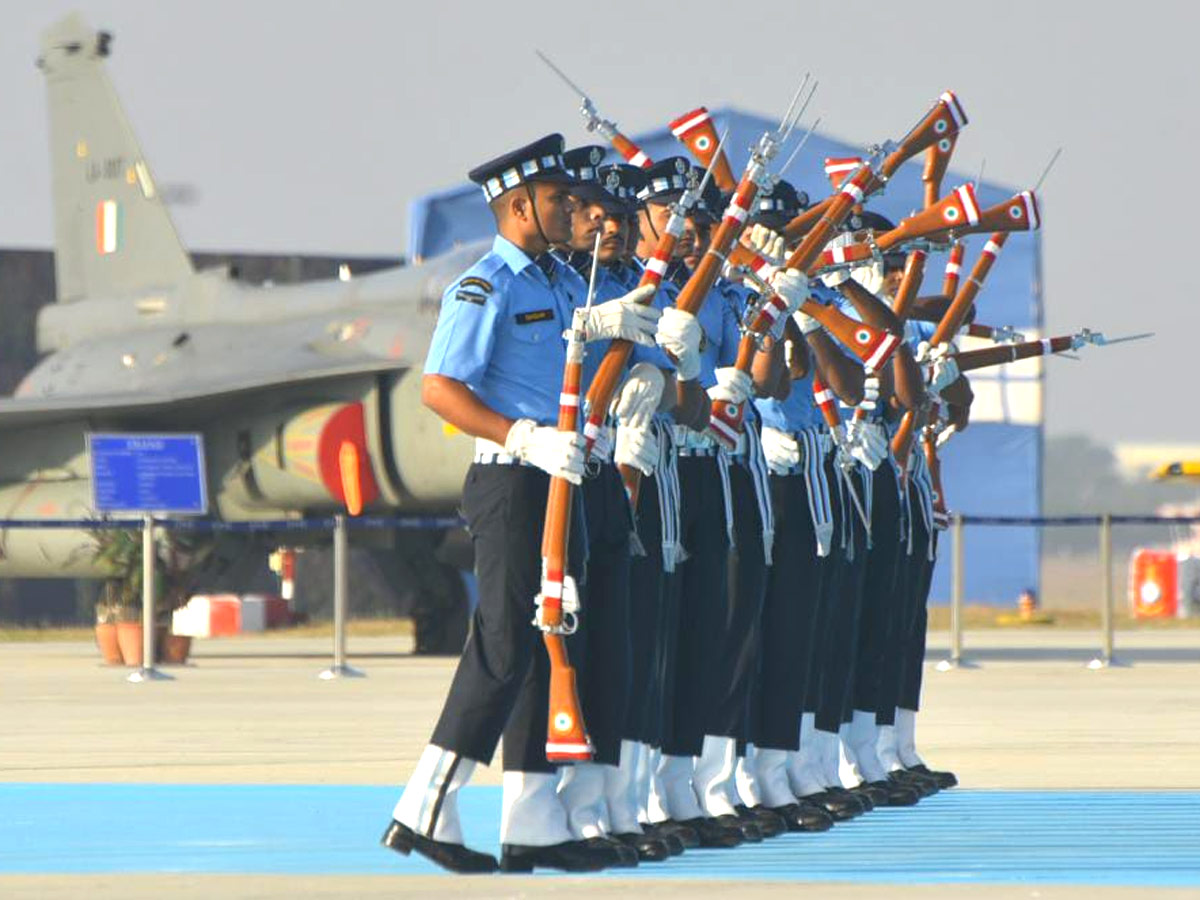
{"type": "Point", "coordinates": [249, 712]}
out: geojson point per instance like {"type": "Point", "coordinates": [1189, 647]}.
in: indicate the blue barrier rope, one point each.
{"type": "Point", "coordinates": [324, 524]}
{"type": "Point", "coordinates": [440, 522]}
{"type": "Point", "coordinates": [1079, 520]}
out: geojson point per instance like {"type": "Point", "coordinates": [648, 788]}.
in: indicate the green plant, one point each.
{"type": "Point", "coordinates": [179, 556]}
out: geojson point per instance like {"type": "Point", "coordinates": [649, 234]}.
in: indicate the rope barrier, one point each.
{"type": "Point", "coordinates": [324, 524]}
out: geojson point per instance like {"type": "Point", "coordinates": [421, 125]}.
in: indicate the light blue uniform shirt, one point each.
{"type": "Point", "coordinates": [916, 331]}
{"type": "Point", "coordinates": [718, 317]}
{"type": "Point", "coordinates": [500, 333]}
{"type": "Point", "coordinates": [797, 412]}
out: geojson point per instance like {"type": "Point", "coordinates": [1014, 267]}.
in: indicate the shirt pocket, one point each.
{"type": "Point", "coordinates": [536, 325]}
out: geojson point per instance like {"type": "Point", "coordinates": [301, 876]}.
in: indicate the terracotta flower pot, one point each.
{"type": "Point", "coordinates": [106, 640]}
{"type": "Point", "coordinates": [173, 649]}
{"type": "Point", "coordinates": [129, 638]}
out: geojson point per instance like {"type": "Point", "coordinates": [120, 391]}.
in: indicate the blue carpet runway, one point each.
{"type": "Point", "coordinates": [959, 836]}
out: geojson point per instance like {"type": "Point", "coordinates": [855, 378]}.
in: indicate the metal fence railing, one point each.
{"type": "Point", "coordinates": [1103, 523]}
{"type": "Point", "coordinates": [340, 525]}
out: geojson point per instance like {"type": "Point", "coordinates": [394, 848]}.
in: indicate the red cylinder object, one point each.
{"type": "Point", "coordinates": [1154, 584]}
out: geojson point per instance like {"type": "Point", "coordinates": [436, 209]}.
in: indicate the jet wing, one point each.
{"type": "Point", "coordinates": [41, 411]}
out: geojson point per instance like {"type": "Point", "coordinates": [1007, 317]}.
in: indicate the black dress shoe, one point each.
{"type": "Point", "coordinates": [627, 857]}
{"type": "Point", "coordinates": [669, 829]}
{"type": "Point", "coordinates": [713, 833]}
{"type": "Point", "coordinates": [875, 795]}
{"type": "Point", "coordinates": [647, 847]}
{"type": "Point", "coordinates": [454, 857]}
{"type": "Point", "coordinates": [569, 856]}
{"type": "Point", "coordinates": [895, 793]}
{"type": "Point", "coordinates": [770, 823]}
{"type": "Point", "coordinates": [925, 787]}
{"type": "Point", "coordinates": [803, 817]}
{"type": "Point", "coordinates": [864, 799]}
{"type": "Point", "coordinates": [944, 779]}
{"type": "Point", "coordinates": [751, 832]}
{"type": "Point", "coordinates": [840, 808]}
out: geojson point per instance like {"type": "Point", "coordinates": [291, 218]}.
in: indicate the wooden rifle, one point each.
{"type": "Point", "coordinates": [629, 151]}
{"type": "Point", "coordinates": [612, 364]}
{"type": "Point", "coordinates": [943, 121]}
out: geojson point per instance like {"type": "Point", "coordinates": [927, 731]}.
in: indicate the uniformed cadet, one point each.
{"type": "Point", "coordinates": [494, 370]}
{"type": "Point", "coordinates": [603, 640]}
{"type": "Point", "coordinates": [903, 665]}
{"type": "Point", "coordinates": [699, 794]}
{"type": "Point", "coordinates": [812, 770]}
{"type": "Point", "coordinates": [637, 416]}
{"type": "Point", "coordinates": [861, 290]}
{"type": "Point", "coordinates": [793, 450]}
{"type": "Point", "coordinates": [657, 509]}
{"type": "Point", "coordinates": [722, 780]}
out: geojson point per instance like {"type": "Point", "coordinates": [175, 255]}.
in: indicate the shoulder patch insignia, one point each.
{"type": "Point", "coordinates": [470, 297]}
{"type": "Point", "coordinates": [481, 286]}
{"type": "Point", "coordinates": [537, 315]}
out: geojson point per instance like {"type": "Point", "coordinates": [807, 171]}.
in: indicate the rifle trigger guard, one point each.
{"type": "Point", "coordinates": [570, 624]}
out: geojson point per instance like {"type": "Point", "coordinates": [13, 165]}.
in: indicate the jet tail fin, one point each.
{"type": "Point", "coordinates": [113, 235]}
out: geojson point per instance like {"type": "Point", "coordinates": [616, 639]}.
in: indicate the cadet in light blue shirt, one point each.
{"type": "Point", "coordinates": [494, 370]}
{"type": "Point", "coordinates": [500, 332]}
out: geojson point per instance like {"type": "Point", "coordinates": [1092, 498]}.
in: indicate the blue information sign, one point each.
{"type": "Point", "coordinates": [148, 473]}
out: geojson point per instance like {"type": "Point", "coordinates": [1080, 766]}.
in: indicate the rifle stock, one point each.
{"type": "Point", "coordinates": [956, 208]}
{"type": "Point", "coordinates": [566, 733]}
{"type": "Point", "coordinates": [695, 130]}
{"type": "Point", "coordinates": [1018, 213]}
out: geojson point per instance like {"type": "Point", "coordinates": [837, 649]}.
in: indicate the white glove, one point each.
{"type": "Point", "coordinates": [943, 369]}
{"type": "Point", "coordinates": [733, 386]}
{"type": "Point", "coordinates": [640, 395]}
{"type": "Point", "coordinates": [870, 392]}
{"type": "Point", "coordinates": [766, 243]}
{"type": "Point", "coordinates": [569, 603]}
{"type": "Point", "coordinates": [560, 453]}
{"type": "Point", "coordinates": [945, 434]}
{"type": "Point", "coordinates": [603, 444]}
{"type": "Point", "coordinates": [792, 286]}
{"type": "Point", "coordinates": [637, 446]}
{"type": "Point", "coordinates": [679, 334]}
{"type": "Point", "coordinates": [867, 443]}
{"type": "Point", "coordinates": [869, 275]}
{"type": "Point", "coordinates": [837, 276]}
{"type": "Point", "coordinates": [781, 450]}
{"type": "Point", "coordinates": [806, 322]}
{"type": "Point", "coordinates": [629, 317]}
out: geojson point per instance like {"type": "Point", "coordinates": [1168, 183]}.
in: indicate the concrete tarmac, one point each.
{"type": "Point", "coordinates": [252, 711]}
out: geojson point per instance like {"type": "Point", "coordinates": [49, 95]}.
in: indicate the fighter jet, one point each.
{"type": "Point", "coordinates": [276, 379]}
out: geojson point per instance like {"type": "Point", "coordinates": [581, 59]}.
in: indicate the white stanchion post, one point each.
{"type": "Point", "coordinates": [341, 590]}
{"type": "Point", "coordinates": [1105, 659]}
{"type": "Point", "coordinates": [957, 575]}
{"type": "Point", "coordinates": [147, 672]}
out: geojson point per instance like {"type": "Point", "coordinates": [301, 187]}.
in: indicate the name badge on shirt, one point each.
{"type": "Point", "coordinates": [537, 315]}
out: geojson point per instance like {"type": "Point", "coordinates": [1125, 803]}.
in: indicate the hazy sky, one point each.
{"type": "Point", "coordinates": [308, 127]}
